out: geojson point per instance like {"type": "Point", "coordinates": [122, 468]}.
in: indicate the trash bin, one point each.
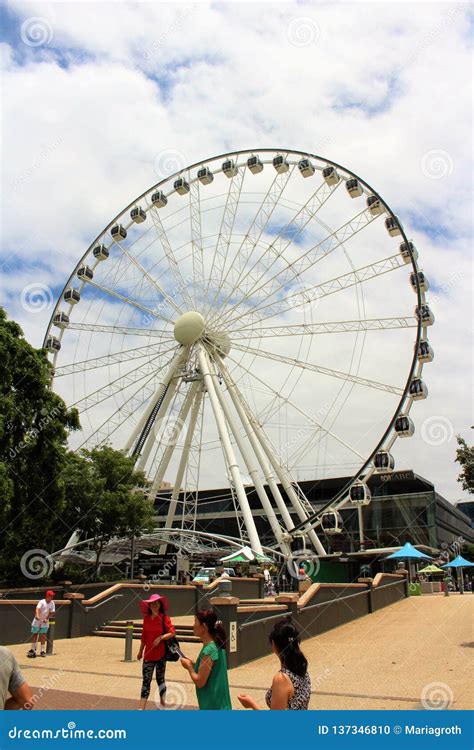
{"type": "Point", "coordinates": [414, 589]}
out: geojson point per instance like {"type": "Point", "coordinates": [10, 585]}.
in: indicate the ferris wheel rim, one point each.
{"type": "Point", "coordinates": [405, 403]}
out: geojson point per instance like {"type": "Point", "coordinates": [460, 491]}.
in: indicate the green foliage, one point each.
{"type": "Point", "coordinates": [467, 551]}
{"type": "Point", "coordinates": [34, 426]}
{"type": "Point", "coordinates": [105, 497]}
{"type": "Point", "coordinates": [465, 457]}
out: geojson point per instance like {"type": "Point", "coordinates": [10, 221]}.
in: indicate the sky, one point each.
{"type": "Point", "coordinates": [101, 100]}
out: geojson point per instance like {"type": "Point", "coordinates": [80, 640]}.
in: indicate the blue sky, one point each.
{"type": "Point", "coordinates": [97, 94]}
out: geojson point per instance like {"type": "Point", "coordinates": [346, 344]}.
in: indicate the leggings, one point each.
{"type": "Point", "coordinates": [148, 668]}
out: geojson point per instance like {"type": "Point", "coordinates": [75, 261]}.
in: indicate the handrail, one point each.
{"type": "Point", "coordinates": [315, 587]}
{"type": "Point", "coordinates": [256, 622]}
{"type": "Point", "coordinates": [118, 586]}
{"type": "Point", "coordinates": [99, 604]}
{"type": "Point", "coordinates": [387, 585]}
{"type": "Point", "coordinates": [379, 576]}
{"type": "Point", "coordinates": [337, 599]}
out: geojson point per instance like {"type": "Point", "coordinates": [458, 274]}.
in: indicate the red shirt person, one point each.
{"type": "Point", "coordinates": [157, 628]}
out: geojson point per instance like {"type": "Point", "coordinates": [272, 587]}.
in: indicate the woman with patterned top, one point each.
{"type": "Point", "coordinates": [291, 686]}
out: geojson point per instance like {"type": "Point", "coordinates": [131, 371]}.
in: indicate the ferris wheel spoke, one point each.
{"type": "Point", "coordinates": [126, 330]}
{"type": "Point", "coordinates": [294, 271]}
{"type": "Point", "coordinates": [319, 291]}
{"type": "Point", "coordinates": [127, 411]}
{"type": "Point", "coordinates": [288, 235]}
{"type": "Point", "coordinates": [128, 301]}
{"type": "Point", "coordinates": [109, 359]}
{"type": "Point", "coordinates": [311, 329]}
{"type": "Point", "coordinates": [221, 251]}
{"type": "Point", "coordinates": [181, 283]}
{"type": "Point", "coordinates": [310, 367]}
{"type": "Point", "coordinates": [119, 384]}
{"type": "Point", "coordinates": [293, 405]}
{"type": "Point", "coordinates": [149, 278]}
{"type": "Point", "coordinates": [238, 268]}
{"type": "Point", "coordinates": [196, 243]}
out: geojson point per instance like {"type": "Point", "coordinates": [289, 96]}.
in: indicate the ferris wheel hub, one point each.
{"type": "Point", "coordinates": [189, 328]}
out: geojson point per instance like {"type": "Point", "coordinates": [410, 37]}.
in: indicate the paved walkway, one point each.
{"type": "Point", "coordinates": [387, 660]}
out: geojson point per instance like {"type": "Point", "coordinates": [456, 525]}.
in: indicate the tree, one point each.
{"type": "Point", "coordinates": [465, 457]}
{"type": "Point", "coordinates": [105, 497]}
{"type": "Point", "coordinates": [34, 427]}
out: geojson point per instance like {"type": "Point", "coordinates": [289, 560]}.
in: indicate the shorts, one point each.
{"type": "Point", "coordinates": [41, 629]}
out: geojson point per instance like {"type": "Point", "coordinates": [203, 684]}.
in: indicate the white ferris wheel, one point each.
{"type": "Point", "coordinates": [255, 320]}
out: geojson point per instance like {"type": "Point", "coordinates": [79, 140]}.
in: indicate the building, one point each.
{"type": "Point", "coordinates": [404, 507]}
{"type": "Point", "coordinates": [466, 507]}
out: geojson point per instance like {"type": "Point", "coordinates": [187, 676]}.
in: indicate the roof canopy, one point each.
{"type": "Point", "coordinates": [408, 552]}
{"type": "Point", "coordinates": [458, 562]}
{"type": "Point", "coordinates": [430, 569]}
{"type": "Point", "coordinates": [245, 555]}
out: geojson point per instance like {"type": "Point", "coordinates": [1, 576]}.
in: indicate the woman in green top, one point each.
{"type": "Point", "coordinates": [209, 673]}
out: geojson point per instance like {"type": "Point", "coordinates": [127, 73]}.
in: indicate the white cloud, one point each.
{"type": "Point", "coordinates": [90, 115]}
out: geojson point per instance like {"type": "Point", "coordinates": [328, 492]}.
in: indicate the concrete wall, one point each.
{"type": "Point", "coordinates": [85, 608]}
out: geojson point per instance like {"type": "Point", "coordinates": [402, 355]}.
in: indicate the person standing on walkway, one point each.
{"type": "Point", "coordinates": [40, 625]}
{"type": "Point", "coordinates": [209, 673]}
{"type": "Point", "coordinates": [157, 629]}
{"type": "Point", "coordinates": [13, 682]}
{"type": "Point", "coordinates": [291, 686]}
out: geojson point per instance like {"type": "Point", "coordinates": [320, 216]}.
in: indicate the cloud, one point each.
{"type": "Point", "coordinates": [96, 113]}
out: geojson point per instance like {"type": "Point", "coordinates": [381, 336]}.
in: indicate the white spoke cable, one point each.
{"type": "Point", "coordinates": [126, 330]}
{"type": "Point", "coordinates": [128, 301]}
{"type": "Point", "coordinates": [109, 359]}
{"type": "Point", "coordinates": [332, 286]}
{"type": "Point", "coordinates": [311, 329]}
{"type": "Point", "coordinates": [149, 278]}
{"type": "Point", "coordinates": [289, 234]}
{"type": "Point", "coordinates": [182, 283]}
{"type": "Point", "coordinates": [221, 252]}
{"type": "Point", "coordinates": [119, 384]}
{"type": "Point", "coordinates": [307, 416]}
{"type": "Point", "coordinates": [238, 267]}
{"type": "Point", "coordinates": [311, 256]}
{"type": "Point", "coordinates": [310, 367]}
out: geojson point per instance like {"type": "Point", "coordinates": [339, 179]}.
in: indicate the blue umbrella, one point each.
{"type": "Point", "coordinates": [408, 552]}
{"type": "Point", "coordinates": [458, 562]}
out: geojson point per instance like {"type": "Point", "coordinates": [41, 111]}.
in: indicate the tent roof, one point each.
{"type": "Point", "coordinates": [245, 554]}
{"type": "Point", "coordinates": [408, 552]}
{"type": "Point", "coordinates": [458, 562]}
{"type": "Point", "coordinates": [430, 569]}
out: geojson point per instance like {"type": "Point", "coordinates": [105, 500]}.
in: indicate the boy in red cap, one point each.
{"type": "Point", "coordinates": [39, 627]}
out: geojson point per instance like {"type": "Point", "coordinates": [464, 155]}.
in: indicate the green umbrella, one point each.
{"type": "Point", "coordinates": [245, 555]}
{"type": "Point", "coordinates": [429, 569]}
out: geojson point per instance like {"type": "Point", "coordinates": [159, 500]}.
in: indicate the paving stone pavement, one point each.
{"type": "Point", "coordinates": [395, 658]}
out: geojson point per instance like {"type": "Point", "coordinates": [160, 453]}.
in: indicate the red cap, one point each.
{"type": "Point", "coordinates": [50, 593]}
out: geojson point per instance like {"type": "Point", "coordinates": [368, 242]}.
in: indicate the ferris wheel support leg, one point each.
{"type": "Point", "coordinates": [146, 450]}
{"type": "Point", "coordinates": [182, 464]}
{"type": "Point", "coordinates": [168, 452]}
{"type": "Point", "coordinates": [177, 360]}
{"type": "Point", "coordinates": [280, 472]}
{"type": "Point", "coordinates": [252, 470]}
{"type": "Point", "coordinates": [269, 477]}
{"type": "Point", "coordinates": [229, 451]}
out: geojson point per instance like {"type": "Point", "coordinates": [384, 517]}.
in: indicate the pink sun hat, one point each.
{"type": "Point", "coordinates": [145, 604]}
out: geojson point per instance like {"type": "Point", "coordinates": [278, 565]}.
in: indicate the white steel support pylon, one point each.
{"type": "Point", "coordinates": [228, 449]}
{"type": "Point", "coordinates": [279, 470]}
{"type": "Point", "coordinates": [183, 462]}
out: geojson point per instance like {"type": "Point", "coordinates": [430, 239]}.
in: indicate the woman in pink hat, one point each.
{"type": "Point", "coordinates": [157, 628]}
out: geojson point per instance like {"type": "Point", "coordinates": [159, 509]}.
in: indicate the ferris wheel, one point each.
{"type": "Point", "coordinates": [250, 321]}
